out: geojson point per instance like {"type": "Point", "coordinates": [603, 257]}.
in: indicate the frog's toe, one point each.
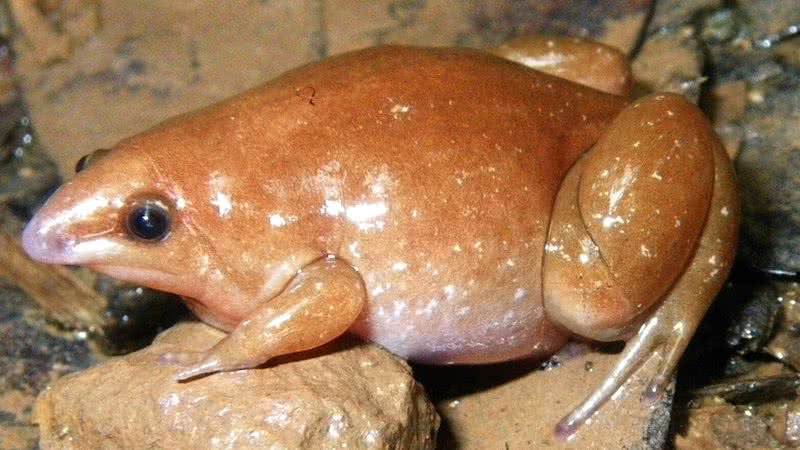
{"type": "Point", "coordinates": [190, 365]}
{"type": "Point", "coordinates": [206, 366]}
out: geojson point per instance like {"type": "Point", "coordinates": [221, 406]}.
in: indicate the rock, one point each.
{"type": "Point", "coordinates": [31, 356]}
{"type": "Point", "coordinates": [517, 406]}
{"type": "Point", "coordinates": [134, 314]}
{"type": "Point", "coordinates": [785, 344]}
{"type": "Point", "coordinates": [759, 410]}
{"type": "Point", "coordinates": [754, 316]}
{"type": "Point", "coordinates": [349, 395]}
{"type": "Point", "coordinates": [769, 169]}
{"type": "Point", "coordinates": [670, 61]}
{"type": "Point", "coordinates": [754, 96]}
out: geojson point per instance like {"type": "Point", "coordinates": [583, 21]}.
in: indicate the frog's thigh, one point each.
{"type": "Point", "coordinates": [320, 303]}
{"type": "Point", "coordinates": [582, 61]}
{"type": "Point", "coordinates": [628, 216]}
{"type": "Point", "coordinates": [668, 331]}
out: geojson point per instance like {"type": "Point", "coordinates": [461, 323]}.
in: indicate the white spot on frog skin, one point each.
{"type": "Point", "coordinates": [377, 290]}
{"type": "Point", "coordinates": [636, 144]}
{"type": "Point", "coordinates": [656, 175]}
{"type": "Point", "coordinates": [618, 188]}
{"type": "Point", "coordinates": [589, 251]}
{"type": "Point", "coordinates": [450, 291]}
{"type": "Point", "coordinates": [400, 111]}
{"type": "Point", "coordinates": [400, 266]}
{"type": "Point", "coordinates": [712, 260]}
{"type": "Point", "coordinates": [379, 182]}
{"type": "Point", "coordinates": [724, 211]}
{"type": "Point", "coordinates": [520, 294]}
{"type": "Point", "coordinates": [353, 247]}
{"type": "Point", "coordinates": [429, 309]}
{"type": "Point", "coordinates": [277, 221]}
{"type": "Point", "coordinates": [220, 198]}
{"type": "Point", "coordinates": [204, 264]}
{"type": "Point", "coordinates": [366, 215]}
{"type": "Point", "coordinates": [549, 59]}
{"type": "Point", "coordinates": [609, 222]}
{"type": "Point", "coordinates": [399, 308]}
{"type": "Point", "coordinates": [645, 251]}
{"type": "Point", "coordinates": [677, 223]}
{"type": "Point", "coordinates": [280, 320]}
{"type": "Point", "coordinates": [510, 262]}
{"type": "Point", "coordinates": [332, 208]}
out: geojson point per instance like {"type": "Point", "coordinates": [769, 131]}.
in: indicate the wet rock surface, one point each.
{"type": "Point", "coordinates": [348, 395]}
{"type": "Point", "coordinates": [516, 405]}
{"type": "Point", "coordinates": [30, 358]}
{"type": "Point", "coordinates": [747, 56]}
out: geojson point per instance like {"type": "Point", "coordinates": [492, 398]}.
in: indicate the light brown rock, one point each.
{"type": "Point", "coordinates": [511, 406]}
{"type": "Point", "coordinates": [350, 395]}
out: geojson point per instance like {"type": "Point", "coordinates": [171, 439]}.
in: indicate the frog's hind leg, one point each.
{"type": "Point", "coordinates": [321, 303]}
{"type": "Point", "coordinates": [582, 61]}
{"type": "Point", "coordinates": [644, 226]}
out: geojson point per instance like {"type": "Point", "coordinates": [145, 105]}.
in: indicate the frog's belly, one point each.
{"type": "Point", "coordinates": [440, 313]}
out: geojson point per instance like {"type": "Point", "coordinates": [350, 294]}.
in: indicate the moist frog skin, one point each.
{"type": "Point", "coordinates": [454, 206]}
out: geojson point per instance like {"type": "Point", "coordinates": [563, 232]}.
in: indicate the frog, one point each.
{"type": "Point", "coordinates": [451, 205]}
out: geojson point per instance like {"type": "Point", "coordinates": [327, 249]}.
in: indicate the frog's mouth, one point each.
{"type": "Point", "coordinates": [149, 277]}
{"type": "Point", "coordinates": [202, 311]}
{"type": "Point", "coordinates": [172, 283]}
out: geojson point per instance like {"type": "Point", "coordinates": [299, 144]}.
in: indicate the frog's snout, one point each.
{"type": "Point", "coordinates": [71, 229]}
{"type": "Point", "coordinates": [43, 242]}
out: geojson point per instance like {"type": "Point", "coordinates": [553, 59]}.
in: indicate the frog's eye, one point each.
{"type": "Point", "coordinates": [149, 221]}
{"type": "Point", "coordinates": [91, 158]}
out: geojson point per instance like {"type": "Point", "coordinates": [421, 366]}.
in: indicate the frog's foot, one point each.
{"type": "Point", "coordinates": [654, 337]}
{"type": "Point", "coordinates": [582, 61]}
{"type": "Point", "coordinates": [320, 304]}
{"type": "Point", "coordinates": [632, 227]}
{"type": "Point", "coordinates": [197, 364]}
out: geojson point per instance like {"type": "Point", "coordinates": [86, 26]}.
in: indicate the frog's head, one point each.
{"type": "Point", "coordinates": [149, 217]}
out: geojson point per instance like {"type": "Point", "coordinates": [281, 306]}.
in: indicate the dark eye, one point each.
{"type": "Point", "coordinates": [91, 158]}
{"type": "Point", "coordinates": [149, 221]}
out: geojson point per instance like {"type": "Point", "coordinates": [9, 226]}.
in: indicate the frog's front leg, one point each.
{"type": "Point", "coordinates": [321, 303]}
{"type": "Point", "coordinates": [643, 235]}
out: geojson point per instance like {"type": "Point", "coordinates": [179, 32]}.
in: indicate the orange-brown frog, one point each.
{"type": "Point", "coordinates": [452, 205]}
